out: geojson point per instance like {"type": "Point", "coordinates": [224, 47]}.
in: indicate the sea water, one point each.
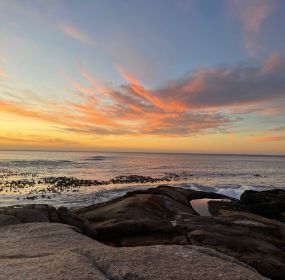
{"type": "Point", "coordinates": [22, 174]}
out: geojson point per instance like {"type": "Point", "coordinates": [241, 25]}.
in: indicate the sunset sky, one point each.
{"type": "Point", "coordinates": [143, 75]}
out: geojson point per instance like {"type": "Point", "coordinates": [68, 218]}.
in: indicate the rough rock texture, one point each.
{"type": "Point", "coordinates": [165, 216]}
{"type": "Point", "coordinates": [58, 251]}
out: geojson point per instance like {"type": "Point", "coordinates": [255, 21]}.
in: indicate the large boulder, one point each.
{"type": "Point", "coordinates": [270, 204]}
{"type": "Point", "coordinates": [255, 240]}
{"type": "Point", "coordinates": [146, 216]}
{"type": "Point", "coordinates": [57, 251]}
{"type": "Point", "coordinates": [39, 213]}
{"type": "Point", "coordinates": [8, 220]}
{"type": "Point", "coordinates": [31, 213]}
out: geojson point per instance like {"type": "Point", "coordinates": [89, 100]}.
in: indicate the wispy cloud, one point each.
{"type": "Point", "coordinates": [268, 139]}
{"type": "Point", "coordinates": [252, 15]}
{"type": "Point", "coordinates": [275, 134]}
{"type": "Point", "coordinates": [76, 34]}
{"type": "Point", "coordinates": [31, 140]}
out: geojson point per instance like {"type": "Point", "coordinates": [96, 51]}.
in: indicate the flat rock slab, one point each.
{"type": "Point", "coordinates": [58, 251]}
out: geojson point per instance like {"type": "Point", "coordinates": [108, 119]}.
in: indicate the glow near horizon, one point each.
{"type": "Point", "coordinates": [177, 76]}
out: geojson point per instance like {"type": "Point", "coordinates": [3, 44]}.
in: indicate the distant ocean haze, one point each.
{"type": "Point", "coordinates": [81, 178]}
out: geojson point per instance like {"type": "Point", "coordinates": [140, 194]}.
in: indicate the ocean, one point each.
{"type": "Point", "coordinates": [75, 179]}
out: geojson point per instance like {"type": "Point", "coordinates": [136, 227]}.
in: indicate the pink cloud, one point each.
{"type": "Point", "coordinates": [272, 64]}
{"type": "Point", "coordinates": [241, 85]}
{"type": "Point", "coordinates": [252, 15]}
{"type": "Point", "coordinates": [76, 34]}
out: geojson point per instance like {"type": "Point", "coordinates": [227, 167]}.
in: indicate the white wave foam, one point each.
{"type": "Point", "coordinates": [237, 192]}
{"type": "Point", "coordinates": [234, 191]}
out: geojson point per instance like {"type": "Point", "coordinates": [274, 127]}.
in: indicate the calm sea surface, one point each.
{"type": "Point", "coordinates": [38, 176]}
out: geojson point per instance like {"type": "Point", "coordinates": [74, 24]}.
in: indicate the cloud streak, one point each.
{"type": "Point", "coordinates": [76, 34]}
{"type": "Point", "coordinates": [268, 139]}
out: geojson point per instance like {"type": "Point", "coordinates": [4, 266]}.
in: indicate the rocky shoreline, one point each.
{"type": "Point", "coordinates": [33, 187]}
{"type": "Point", "coordinates": [144, 233]}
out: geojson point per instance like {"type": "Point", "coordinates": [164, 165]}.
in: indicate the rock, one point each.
{"type": "Point", "coordinates": [270, 204]}
{"type": "Point", "coordinates": [26, 215]}
{"type": "Point", "coordinates": [56, 251]}
{"type": "Point", "coordinates": [37, 213]}
{"type": "Point", "coordinates": [8, 220]}
{"type": "Point", "coordinates": [144, 217]}
{"type": "Point", "coordinates": [257, 241]}
{"type": "Point", "coordinates": [67, 217]}
{"type": "Point", "coordinates": [31, 213]}
{"type": "Point", "coordinates": [164, 216]}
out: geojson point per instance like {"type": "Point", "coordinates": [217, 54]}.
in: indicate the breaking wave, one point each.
{"type": "Point", "coordinates": [234, 191]}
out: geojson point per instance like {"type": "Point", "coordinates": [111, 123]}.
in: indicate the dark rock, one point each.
{"type": "Point", "coordinates": [270, 204]}
{"type": "Point", "coordinates": [143, 215]}
{"type": "Point", "coordinates": [26, 215]}
{"type": "Point", "coordinates": [67, 217]}
{"type": "Point", "coordinates": [255, 240]}
{"type": "Point", "coordinates": [31, 213]}
{"type": "Point", "coordinates": [8, 220]}
{"type": "Point", "coordinates": [38, 213]}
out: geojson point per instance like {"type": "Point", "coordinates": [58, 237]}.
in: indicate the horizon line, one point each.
{"type": "Point", "coordinates": [140, 152]}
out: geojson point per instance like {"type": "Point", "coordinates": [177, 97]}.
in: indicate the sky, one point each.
{"type": "Point", "coordinates": [198, 76]}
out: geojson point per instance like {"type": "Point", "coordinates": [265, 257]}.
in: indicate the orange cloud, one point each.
{"type": "Point", "coordinates": [265, 139]}
{"type": "Point", "coordinates": [207, 101]}
{"type": "Point", "coordinates": [104, 110]}
{"type": "Point", "coordinates": [3, 74]}
{"type": "Point", "coordinates": [32, 140]}
{"type": "Point", "coordinates": [76, 34]}
{"type": "Point", "coordinates": [138, 89]}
